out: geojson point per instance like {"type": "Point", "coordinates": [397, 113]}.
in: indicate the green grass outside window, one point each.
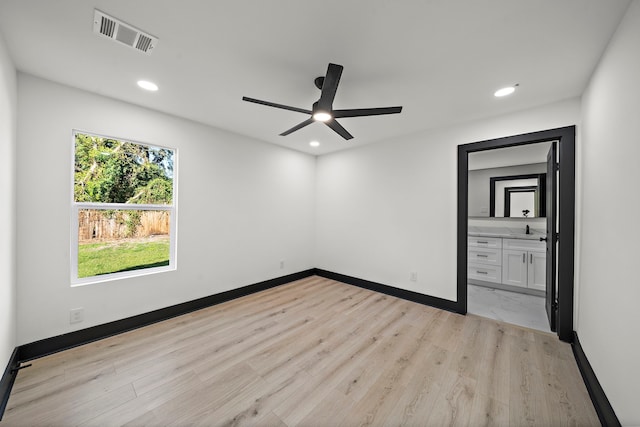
{"type": "Point", "coordinates": [123, 255]}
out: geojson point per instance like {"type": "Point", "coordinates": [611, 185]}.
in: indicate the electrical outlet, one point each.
{"type": "Point", "coordinates": [281, 264]}
{"type": "Point", "coordinates": [414, 276]}
{"type": "Point", "coordinates": [76, 315]}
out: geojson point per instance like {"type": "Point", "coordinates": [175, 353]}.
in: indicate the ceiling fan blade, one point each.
{"type": "Point", "coordinates": [273, 104]}
{"type": "Point", "coordinates": [329, 87]}
{"type": "Point", "coordinates": [359, 112]}
{"type": "Point", "coordinates": [298, 126]}
{"type": "Point", "coordinates": [339, 129]}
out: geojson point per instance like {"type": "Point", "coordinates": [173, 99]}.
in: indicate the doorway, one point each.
{"type": "Point", "coordinates": [507, 218]}
{"type": "Point", "coordinates": [559, 299]}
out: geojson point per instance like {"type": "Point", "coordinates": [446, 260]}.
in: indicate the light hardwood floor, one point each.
{"type": "Point", "coordinates": [311, 353]}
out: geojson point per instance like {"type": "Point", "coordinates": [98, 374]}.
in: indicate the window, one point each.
{"type": "Point", "coordinates": [123, 209]}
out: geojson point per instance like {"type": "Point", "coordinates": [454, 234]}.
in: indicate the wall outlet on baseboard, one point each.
{"type": "Point", "coordinates": [413, 276]}
{"type": "Point", "coordinates": [76, 315]}
{"type": "Point", "coordinates": [281, 264]}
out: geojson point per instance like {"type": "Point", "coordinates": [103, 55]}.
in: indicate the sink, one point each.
{"type": "Point", "coordinates": [534, 234]}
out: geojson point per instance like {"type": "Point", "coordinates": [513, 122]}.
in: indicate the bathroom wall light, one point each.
{"type": "Point", "coordinates": [147, 85]}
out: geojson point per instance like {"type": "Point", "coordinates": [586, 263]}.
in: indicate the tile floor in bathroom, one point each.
{"type": "Point", "coordinates": [511, 307]}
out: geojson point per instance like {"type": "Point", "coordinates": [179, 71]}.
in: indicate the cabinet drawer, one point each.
{"type": "Point", "coordinates": [488, 256]}
{"type": "Point", "coordinates": [484, 242]}
{"type": "Point", "coordinates": [524, 245]}
{"type": "Point", "coordinates": [488, 273]}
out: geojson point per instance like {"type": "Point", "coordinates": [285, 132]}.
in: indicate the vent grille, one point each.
{"type": "Point", "coordinates": [116, 30]}
{"type": "Point", "coordinates": [107, 26]}
{"type": "Point", "coordinates": [143, 43]}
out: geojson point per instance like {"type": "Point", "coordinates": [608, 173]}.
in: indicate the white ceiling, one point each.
{"type": "Point", "coordinates": [440, 59]}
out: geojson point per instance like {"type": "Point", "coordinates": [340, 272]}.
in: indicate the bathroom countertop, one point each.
{"type": "Point", "coordinates": [505, 232]}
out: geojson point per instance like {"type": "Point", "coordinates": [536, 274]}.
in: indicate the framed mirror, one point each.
{"type": "Point", "coordinates": [517, 196]}
{"type": "Point", "coordinates": [490, 172]}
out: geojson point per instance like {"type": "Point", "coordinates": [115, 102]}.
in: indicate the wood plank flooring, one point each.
{"type": "Point", "coordinates": [309, 353]}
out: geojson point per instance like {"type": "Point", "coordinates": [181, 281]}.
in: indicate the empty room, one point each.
{"type": "Point", "coordinates": [286, 213]}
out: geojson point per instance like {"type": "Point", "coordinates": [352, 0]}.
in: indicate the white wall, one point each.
{"type": "Point", "coordinates": [243, 206]}
{"type": "Point", "coordinates": [387, 209]}
{"type": "Point", "coordinates": [608, 315]}
{"type": "Point", "coordinates": [8, 99]}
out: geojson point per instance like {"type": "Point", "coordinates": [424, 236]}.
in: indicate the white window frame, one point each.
{"type": "Point", "coordinates": [77, 206]}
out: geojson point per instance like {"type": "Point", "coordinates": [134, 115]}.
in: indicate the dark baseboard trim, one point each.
{"type": "Point", "coordinates": [58, 343]}
{"type": "Point", "coordinates": [9, 376]}
{"type": "Point", "coordinates": [390, 290]}
{"type": "Point", "coordinates": [73, 339]}
{"type": "Point", "coordinates": [598, 397]}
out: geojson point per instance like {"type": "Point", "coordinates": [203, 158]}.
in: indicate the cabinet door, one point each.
{"type": "Point", "coordinates": [514, 268]}
{"type": "Point", "coordinates": [537, 270]}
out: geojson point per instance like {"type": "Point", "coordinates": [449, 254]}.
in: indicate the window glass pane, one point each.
{"type": "Point", "coordinates": [113, 171]}
{"type": "Point", "coordinates": [522, 204]}
{"type": "Point", "coordinates": [117, 240]}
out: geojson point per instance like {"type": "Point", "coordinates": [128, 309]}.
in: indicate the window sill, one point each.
{"type": "Point", "coordinates": [119, 276]}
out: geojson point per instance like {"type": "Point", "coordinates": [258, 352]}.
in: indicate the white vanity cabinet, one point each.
{"type": "Point", "coordinates": [524, 263]}
{"type": "Point", "coordinates": [516, 263]}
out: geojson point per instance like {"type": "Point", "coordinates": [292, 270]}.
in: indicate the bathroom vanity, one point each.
{"type": "Point", "coordinates": [507, 258]}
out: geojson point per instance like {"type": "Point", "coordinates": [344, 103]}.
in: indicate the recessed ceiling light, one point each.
{"type": "Point", "coordinates": [505, 91]}
{"type": "Point", "coordinates": [314, 144]}
{"type": "Point", "coordinates": [321, 116]}
{"type": "Point", "coordinates": [144, 84]}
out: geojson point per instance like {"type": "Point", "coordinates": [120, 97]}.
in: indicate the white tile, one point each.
{"type": "Point", "coordinates": [511, 307]}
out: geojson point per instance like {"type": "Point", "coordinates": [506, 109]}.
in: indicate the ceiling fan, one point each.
{"type": "Point", "coordinates": [322, 110]}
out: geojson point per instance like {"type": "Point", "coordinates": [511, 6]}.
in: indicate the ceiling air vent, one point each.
{"type": "Point", "coordinates": [113, 28]}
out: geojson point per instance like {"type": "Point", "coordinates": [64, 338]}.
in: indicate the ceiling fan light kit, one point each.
{"type": "Point", "coordinates": [321, 116]}
{"type": "Point", "coordinates": [322, 110]}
